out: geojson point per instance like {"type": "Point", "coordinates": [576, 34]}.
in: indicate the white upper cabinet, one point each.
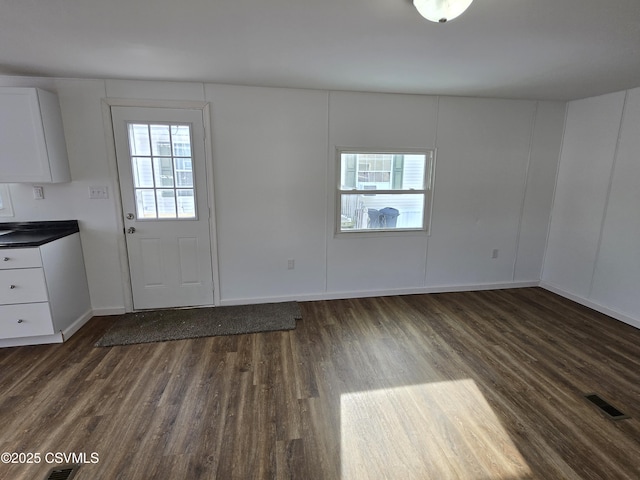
{"type": "Point", "coordinates": [32, 144]}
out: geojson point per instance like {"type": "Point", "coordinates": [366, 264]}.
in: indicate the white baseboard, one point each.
{"type": "Point", "coordinates": [105, 312]}
{"type": "Point", "coordinates": [634, 322]}
{"type": "Point", "coordinates": [376, 293]}
{"type": "Point", "coordinates": [404, 291]}
{"type": "Point", "coordinates": [37, 340]}
{"type": "Point", "coordinates": [75, 326]}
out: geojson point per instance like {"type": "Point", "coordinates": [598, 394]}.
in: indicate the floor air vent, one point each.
{"type": "Point", "coordinates": [611, 411]}
{"type": "Point", "coordinates": [66, 472]}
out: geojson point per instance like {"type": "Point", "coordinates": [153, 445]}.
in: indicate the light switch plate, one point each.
{"type": "Point", "coordinates": [99, 192]}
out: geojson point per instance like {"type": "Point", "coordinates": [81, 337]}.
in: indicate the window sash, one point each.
{"type": "Point", "coordinates": [355, 191]}
{"type": "Point", "coordinates": [347, 161]}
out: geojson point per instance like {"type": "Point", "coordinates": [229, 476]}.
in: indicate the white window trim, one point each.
{"type": "Point", "coordinates": [6, 210]}
{"type": "Point", "coordinates": [430, 170]}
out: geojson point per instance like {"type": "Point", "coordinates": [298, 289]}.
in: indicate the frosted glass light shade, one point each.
{"type": "Point", "coordinates": [441, 11]}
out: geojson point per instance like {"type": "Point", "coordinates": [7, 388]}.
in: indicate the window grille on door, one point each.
{"type": "Point", "coordinates": [162, 166]}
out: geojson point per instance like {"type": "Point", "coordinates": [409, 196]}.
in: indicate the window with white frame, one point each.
{"type": "Point", "coordinates": [162, 169]}
{"type": "Point", "coordinates": [6, 208]}
{"type": "Point", "coordinates": [384, 190]}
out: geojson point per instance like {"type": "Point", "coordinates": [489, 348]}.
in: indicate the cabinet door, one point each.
{"type": "Point", "coordinates": [32, 145]}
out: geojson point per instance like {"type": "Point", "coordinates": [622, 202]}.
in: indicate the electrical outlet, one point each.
{"type": "Point", "coordinates": [38, 192]}
{"type": "Point", "coordinates": [291, 264]}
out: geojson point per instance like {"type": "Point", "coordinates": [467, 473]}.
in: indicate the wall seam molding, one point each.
{"type": "Point", "coordinates": [525, 189]}
{"type": "Point", "coordinates": [555, 189]}
{"type": "Point", "coordinates": [606, 202]}
{"type": "Point", "coordinates": [328, 194]}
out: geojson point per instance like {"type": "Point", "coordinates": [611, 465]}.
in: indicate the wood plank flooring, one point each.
{"type": "Point", "coordinates": [476, 385]}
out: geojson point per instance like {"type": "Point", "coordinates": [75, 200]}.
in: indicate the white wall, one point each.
{"type": "Point", "coordinates": [274, 182]}
{"type": "Point", "coordinates": [592, 254]}
{"type": "Point", "coordinates": [483, 152]}
{"type": "Point", "coordinates": [368, 120]}
{"type": "Point", "coordinates": [269, 158]}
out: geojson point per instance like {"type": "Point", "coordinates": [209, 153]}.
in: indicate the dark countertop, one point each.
{"type": "Point", "coordinates": [34, 234]}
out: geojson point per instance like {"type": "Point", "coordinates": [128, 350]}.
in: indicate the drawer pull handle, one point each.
{"type": "Point", "coordinates": [20, 320]}
{"type": "Point", "coordinates": [6, 259]}
{"type": "Point", "coordinates": [12, 287]}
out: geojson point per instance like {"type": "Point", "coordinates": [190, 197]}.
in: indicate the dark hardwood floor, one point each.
{"type": "Point", "coordinates": [479, 385]}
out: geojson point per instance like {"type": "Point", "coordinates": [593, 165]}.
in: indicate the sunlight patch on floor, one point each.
{"type": "Point", "coordinates": [436, 430]}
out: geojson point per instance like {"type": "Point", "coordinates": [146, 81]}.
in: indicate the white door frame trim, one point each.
{"type": "Point", "coordinates": [106, 105]}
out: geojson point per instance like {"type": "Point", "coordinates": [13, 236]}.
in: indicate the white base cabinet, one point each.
{"type": "Point", "coordinates": [44, 297]}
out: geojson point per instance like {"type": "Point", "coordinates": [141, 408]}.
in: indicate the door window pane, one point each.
{"type": "Point", "coordinates": [184, 172]}
{"type": "Point", "coordinates": [142, 172]}
{"type": "Point", "coordinates": [160, 140]}
{"type": "Point", "coordinates": [139, 139]}
{"type": "Point", "coordinates": [180, 137]}
{"type": "Point", "coordinates": [146, 203]}
{"type": "Point", "coordinates": [186, 203]}
{"type": "Point", "coordinates": [166, 203]}
{"type": "Point", "coordinates": [163, 171]}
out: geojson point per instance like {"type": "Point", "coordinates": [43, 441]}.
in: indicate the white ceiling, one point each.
{"type": "Point", "coordinates": [535, 49]}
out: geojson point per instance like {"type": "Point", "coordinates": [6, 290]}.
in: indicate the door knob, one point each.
{"type": "Point", "coordinates": [131, 229]}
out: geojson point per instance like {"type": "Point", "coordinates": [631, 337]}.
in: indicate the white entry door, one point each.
{"type": "Point", "coordinates": [161, 166]}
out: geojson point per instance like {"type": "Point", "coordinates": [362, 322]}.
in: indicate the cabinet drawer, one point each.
{"type": "Point", "coordinates": [25, 320]}
{"type": "Point", "coordinates": [19, 258]}
{"type": "Point", "coordinates": [22, 286]}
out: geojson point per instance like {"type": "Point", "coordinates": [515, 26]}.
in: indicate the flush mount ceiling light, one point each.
{"type": "Point", "coordinates": [441, 11]}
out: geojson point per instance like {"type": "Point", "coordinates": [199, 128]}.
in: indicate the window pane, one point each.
{"type": "Point", "coordinates": [160, 140]}
{"type": "Point", "coordinates": [139, 139]}
{"type": "Point", "coordinates": [381, 212]}
{"type": "Point", "coordinates": [181, 139]}
{"type": "Point", "coordinates": [377, 171]}
{"type": "Point", "coordinates": [166, 203]}
{"type": "Point", "coordinates": [145, 204]}
{"type": "Point", "coordinates": [142, 172]}
{"type": "Point", "coordinates": [186, 203]}
{"type": "Point", "coordinates": [413, 172]}
{"type": "Point", "coordinates": [163, 171]}
{"type": "Point", "coordinates": [184, 174]}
